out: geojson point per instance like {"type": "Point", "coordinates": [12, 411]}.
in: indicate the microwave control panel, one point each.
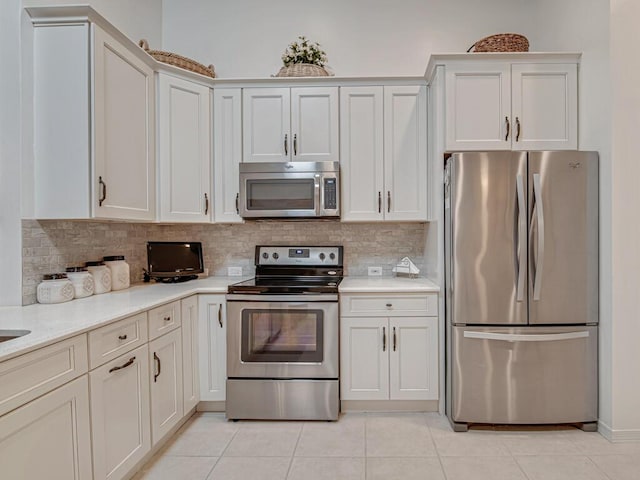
{"type": "Point", "coordinates": [330, 194]}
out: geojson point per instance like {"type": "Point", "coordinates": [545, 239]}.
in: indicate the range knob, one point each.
{"type": "Point", "coordinates": [265, 255]}
{"type": "Point", "coordinates": [275, 255]}
{"type": "Point", "coordinates": [332, 256]}
{"type": "Point", "coordinates": [321, 256]}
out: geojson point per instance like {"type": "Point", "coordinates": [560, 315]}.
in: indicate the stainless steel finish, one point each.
{"type": "Point", "coordinates": [517, 129]}
{"type": "Point", "coordinates": [124, 365]}
{"type": "Point", "coordinates": [388, 201]}
{"type": "Point", "coordinates": [537, 248]}
{"type": "Point", "coordinates": [295, 144]}
{"type": "Point", "coordinates": [104, 191]}
{"type": "Point", "coordinates": [521, 249]}
{"type": "Point", "coordinates": [525, 382]}
{"type": "Point", "coordinates": [506, 121]}
{"type": "Point", "coordinates": [6, 335]}
{"type": "Point", "coordinates": [568, 292]}
{"type": "Point", "coordinates": [275, 176]}
{"type": "Point", "coordinates": [513, 337]}
{"type": "Point", "coordinates": [379, 202]}
{"type": "Point", "coordinates": [286, 148]}
{"type": "Point", "coordinates": [258, 297]}
{"type": "Point", "coordinates": [206, 204]}
{"type": "Point", "coordinates": [282, 399]}
{"type": "Point", "coordinates": [328, 368]}
{"type": "Point", "coordinates": [481, 237]}
{"type": "Point", "coordinates": [384, 339]}
{"type": "Point", "coordinates": [286, 255]}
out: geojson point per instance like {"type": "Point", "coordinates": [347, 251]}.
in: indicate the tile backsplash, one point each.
{"type": "Point", "coordinates": [50, 246]}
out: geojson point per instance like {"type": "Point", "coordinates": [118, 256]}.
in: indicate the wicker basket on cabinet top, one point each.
{"type": "Point", "coordinates": [178, 60]}
{"type": "Point", "coordinates": [502, 42]}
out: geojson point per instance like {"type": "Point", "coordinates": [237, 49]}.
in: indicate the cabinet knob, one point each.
{"type": "Point", "coordinates": [389, 305]}
{"type": "Point", "coordinates": [167, 319]}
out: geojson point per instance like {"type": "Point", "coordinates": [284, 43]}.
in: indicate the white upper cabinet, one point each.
{"type": "Point", "coordinates": [227, 153]}
{"type": "Point", "coordinates": [184, 131]}
{"type": "Point", "coordinates": [94, 125]}
{"type": "Point", "coordinates": [518, 106]}
{"type": "Point", "coordinates": [290, 124]}
{"type": "Point", "coordinates": [383, 133]}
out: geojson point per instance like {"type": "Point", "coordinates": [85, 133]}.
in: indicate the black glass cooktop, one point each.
{"type": "Point", "coordinates": [287, 285]}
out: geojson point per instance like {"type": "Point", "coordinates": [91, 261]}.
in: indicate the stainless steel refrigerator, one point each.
{"type": "Point", "coordinates": [521, 287]}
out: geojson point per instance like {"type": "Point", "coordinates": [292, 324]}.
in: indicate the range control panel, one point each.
{"type": "Point", "coordinates": [298, 255]}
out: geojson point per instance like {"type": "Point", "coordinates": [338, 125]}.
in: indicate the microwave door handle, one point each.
{"type": "Point", "coordinates": [318, 196]}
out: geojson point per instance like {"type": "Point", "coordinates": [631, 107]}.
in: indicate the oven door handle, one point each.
{"type": "Point", "coordinates": [288, 300]}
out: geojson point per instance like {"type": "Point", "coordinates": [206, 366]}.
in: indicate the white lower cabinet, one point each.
{"type": "Point", "coordinates": [165, 357]}
{"type": "Point", "coordinates": [120, 416]}
{"type": "Point", "coordinates": [190, 370]}
{"type": "Point", "coordinates": [49, 437]}
{"type": "Point", "coordinates": [212, 347]}
{"type": "Point", "coordinates": [385, 355]}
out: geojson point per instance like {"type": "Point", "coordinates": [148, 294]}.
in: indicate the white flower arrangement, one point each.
{"type": "Point", "coordinates": [303, 51]}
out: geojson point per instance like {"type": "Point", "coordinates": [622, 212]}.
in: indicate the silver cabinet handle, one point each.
{"type": "Point", "coordinates": [104, 191]}
{"type": "Point", "coordinates": [515, 337]}
{"type": "Point", "coordinates": [379, 202]}
{"type": "Point", "coordinates": [295, 144]}
{"type": "Point", "coordinates": [220, 315]}
{"type": "Point", "coordinates": [238, 203]}
{"type": "Point", "coordinates": [521, 229]}
{"type": "Point", "coordinates": [286, 148]}
{"type": "Point", "coordinates": [388, 201]}
{"type": "Point", "coordinates": [517, 129]}
{"type": "Point", "coordinates": [384, 339]}
{"type": "Point", "coordinates": [206, 204]}
{"type": "Point", "coordinates": [395, 342]}
{"type": "Point", "coordinates": [506, 121]}
{"type": "Point", "coordinates": [125, 365]}
{"type": "Point", "coordinates": [539, 217]}
{"type": "Point", "coordinates": [156, 360]}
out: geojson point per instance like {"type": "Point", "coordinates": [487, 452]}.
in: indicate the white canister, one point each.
{"type": "Point", "coordinates": [82, 281]}
{"type": "Point", "coordinates": [55, 288]}
{"type": "Point", "coordinates": [101, 276]}
{"type": "Point", "coordinates": [119, 272]}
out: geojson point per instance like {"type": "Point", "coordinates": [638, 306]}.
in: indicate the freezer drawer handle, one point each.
{"type": "Point", "coordinates": [514, 337]}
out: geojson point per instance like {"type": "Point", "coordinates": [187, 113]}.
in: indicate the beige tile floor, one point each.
{"type": "Point", "coordinates": [384, 447]}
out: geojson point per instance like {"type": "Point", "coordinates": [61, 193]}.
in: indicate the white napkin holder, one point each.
{"type": "Point", "coordinates": [406, 267]}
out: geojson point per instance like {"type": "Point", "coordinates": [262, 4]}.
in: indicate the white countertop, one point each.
{"type": "Point", "coordinates": [388, 285]}
{"type": "Point", "coordinates": [52, 323]}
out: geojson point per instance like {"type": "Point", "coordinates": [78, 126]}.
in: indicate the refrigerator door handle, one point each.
{"type": "Point", "coordinates": [514, 337]}
{"type": "Point", "coordinates": [537, 195]}
{"type": "Point", "coordinates": [522, 233]}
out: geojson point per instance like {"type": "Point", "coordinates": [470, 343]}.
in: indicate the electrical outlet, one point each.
{"type": "Point", "coordinates": [234, 271]}
{"type": "Point", "coordinates": [375, 271]}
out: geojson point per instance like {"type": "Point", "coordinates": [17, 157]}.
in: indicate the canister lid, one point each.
{"type": "Point", "coordinates": [94, 264]}
{"type": "Point", "coordinates": [113, 258]}
{"type": "Point", "coordinates": [55, 276]}
{"type": "Point", "coordinates": [76, 269]}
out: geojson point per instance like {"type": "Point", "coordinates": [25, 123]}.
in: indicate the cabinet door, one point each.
{"type": "Point", "coordinates": [49, 437]}
{"type": "Point", "coordinates": [190, 370]}
{"type": "Point", "coordinates": [544, 106]}
{"type": "Point", "coordinates": [120, 417]}
{"type": "Point", "coordinates": [314, 124]}
{"type": "Point", "coordinates": [165, 357]}
{"type": "Point", "coordinates": [405, 153]}
{"type": "Point", "coordinates": [227, 153]}
{"type": "Point", "coordinates": [413, 358]}
{"type": "Point", "coordinates": [212, 347]}
{"type": "Point", "coordinates": [124, 118]}
{"type": "Point", "coordinates": [361, 153]}
{"type": "Point", "coordinates": [478, 107]}
{"type": "Point", "coordinates": [184, 128]}
{"type": "Point", "coordinates": [364, 359]}
{"type": "Point", "coordinates": [266, 123]}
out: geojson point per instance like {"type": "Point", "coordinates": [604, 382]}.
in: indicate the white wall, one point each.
{"type": "Point", "coordinates": [246, 38]}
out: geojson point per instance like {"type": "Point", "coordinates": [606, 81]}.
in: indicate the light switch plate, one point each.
{"type": "Point", "coordinates": [375, 271]}
{"type": "Point", "coordinates": [234, 271]}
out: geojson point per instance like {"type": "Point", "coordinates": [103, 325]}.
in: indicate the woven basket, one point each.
{"type": "Point", "coordinates": [178, 60]}
{"type": "Point", "coordinates": [502, 42]}
{"type": "Point", "coordinates": [302, 70]}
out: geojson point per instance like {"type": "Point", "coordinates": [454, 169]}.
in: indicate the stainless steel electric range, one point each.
{"type": "Point", "coordinates": [283, 334]}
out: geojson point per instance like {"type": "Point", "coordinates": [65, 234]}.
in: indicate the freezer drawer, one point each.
{"type": "Point", "coordinates": [529, 375]}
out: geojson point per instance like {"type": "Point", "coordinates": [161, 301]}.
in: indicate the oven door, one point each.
{"type": "Point", "coordinates": [285, 338]}
{"type": "Point", "coordinates": [279, 195]}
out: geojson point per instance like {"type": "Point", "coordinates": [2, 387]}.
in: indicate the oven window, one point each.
{"type": "Point", "coordinates": [280, 194]}
{"type": "Point", "coordinates": [273, 335]}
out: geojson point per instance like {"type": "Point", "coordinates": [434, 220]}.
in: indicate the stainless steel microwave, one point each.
{"type": "Point", "coordinates": [294, 189]}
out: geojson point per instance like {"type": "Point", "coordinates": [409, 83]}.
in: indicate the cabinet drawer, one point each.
{"type": "Point", "coordinates": [377, 305]}
{"type": "Point", "coordinates": [107, 342]}
{"type": "Point", "coordinates": [28, 376]}
{"type": "Point", "coordinates": [164, 319]}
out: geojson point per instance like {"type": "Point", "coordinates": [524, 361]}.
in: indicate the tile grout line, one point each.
{"type": "Point", "coordinates": [597, 467]}
{"type": "Point", "coordinates": [293, 453]}
{"type": "Point", "coordinates": [515, 459]}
